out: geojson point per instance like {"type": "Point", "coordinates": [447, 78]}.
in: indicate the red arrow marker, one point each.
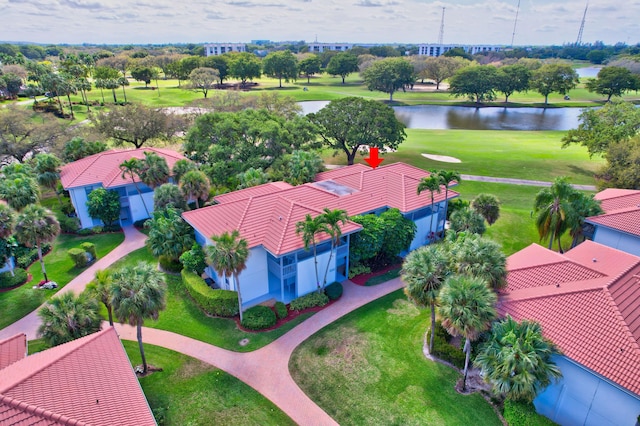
{"type": "Point", "coordinates": [373, 160]}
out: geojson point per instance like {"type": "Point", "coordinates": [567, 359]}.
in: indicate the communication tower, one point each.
{"type": "Point", "coordinates": [441, 35]}
{"type": "Point", "coordinates": [584, 16]}
{"type": "Point", "coordinates": [513, 36]}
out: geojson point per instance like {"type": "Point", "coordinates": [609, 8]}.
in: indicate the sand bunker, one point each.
{"type": "Point", "coordinates": [442, 158]}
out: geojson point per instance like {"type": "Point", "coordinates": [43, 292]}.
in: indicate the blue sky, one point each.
{"type": "Point", "coordinates": [364, 21]}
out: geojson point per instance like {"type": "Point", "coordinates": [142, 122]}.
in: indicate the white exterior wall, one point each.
{"type": "Point", "coordinates": [137, 208]}
{"type": "Point", "coordinates": [79, 200]}
{"type": "Point", "coordinates": [307, 273]}
{"type": "Point", "coordinates": [254, 280]}
{"type": "Point", "coordinates": [582, 397]}
{"type": "Point", "coordinates": [215, 49]}
{"type": "Point", "coordinates": [618, 240]}
{"type": "Point", "coordinates": [422, 231]}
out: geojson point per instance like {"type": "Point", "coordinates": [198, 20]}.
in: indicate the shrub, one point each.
{"type": "Point", "coordinates": [222, 303]}
{"type": "Point", "coordinates": [140, 223]}
{"type": "Point", "coordinates": [446, 351]}
{"type": "Point", "coordinates": [169, 264]}
{"type": "Point", "coordinates": [69, 225]}
{"type": "Point", "coordinates": [7, 280]}
{"type": "Point", "coordinates": [194, 260]}
{"type": "Point", "coordinates": [281, 310]}
{"type": "Point", "coordinates": [115, 227]}
{"type": "Point", "coordinates": [358, 269]}
{"type": "Point", "coordinates": [85, 231]}
{"type": "Point", "coordinates": [67, 207]}
{"type": "Point", "coordinates": [258, 318]}
{"type": "Point", "coordinates": [25, 256]}
{"type": "Point", "coordinates": [78, 256]}
{"type": "Point", "coordinates": [333, 291]}
{"type": "Point", "coordinates": [310, 300]}
{"type": "Point", "coordinates": [89, 248]}
{"type": "Point", "coordinates": [518, 413]}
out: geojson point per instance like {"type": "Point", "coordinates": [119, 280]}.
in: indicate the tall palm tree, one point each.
{"type": "Point", "coordinates": [36, 225]}
{"type": "Point", "coordinates": [7, 223]}
{"type": "Point", "coordinates": [332, 220]}
{"type": "Point", "coordinates": [424, 271]}
{"type": "Point", "coordinates": [467, 220]}
{"type": "Point", "coordinates": [431, 184]}
{"type": "Point", "coordinates": [47, 169]}
{"type": "Point", "coordinates": [19, 191]}
{"type": "Point", "coordinates": [552, 206]}
{"type": "Point", "coordinates": [68, 317]}
{"type": "Point", "coordinates": [309, 229]}
{"type": "Point", "coordinates": [100, 289]}
{"type": "Point", "coordinates": [138, 293]}
{"type": "Point", "coordinates": [488, 206]}
{"type": "Point", "coordinates": [195, 184]}
{"type": "Point", "coordinates": [517, 359]}
{"type": "Point", "coordinates": [582, 207]}
{"type": "Point", "coordinates": [228, 256]}
{"type": "Point", "coordinates": [475, 256]}
{"type": "Point", "coordinates": [446, 177]}
{"type": "Point", "coordinates": [130, 168]}
{"type": "Point", "coordinates": [153, 170]}
{"type": "Point", "coordinates": [467, 307]}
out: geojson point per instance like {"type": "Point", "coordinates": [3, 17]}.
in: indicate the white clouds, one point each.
{"type": "Point", "coordinates": [364, 21]}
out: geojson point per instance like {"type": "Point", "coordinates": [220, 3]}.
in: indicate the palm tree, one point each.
{"type": "Point", "coordinates": [138, 293]}
{"type": "Point", "coordinates": [252, 177]}
{"type": "Point", "coordinates": [36, 225]}
{"type": "Point", "coordinates": [180, 168]}
{"type": "Point", "coordinates": [332, 220]}
{"type": "Point", "coordinates": [467, 307]}
{"type": "Point", "coordinates": [169, 234]}
{"type": "Point", "coordinates": [68, 317]}
{"type": "Point", "coordinates": [153, 170]}
{"type": "Point", "coordinates": [582, 207]}
{"type": "Point", "coordinates": [195, 184]}
{"type": "Point", "coordinates": [48, 171]}
{"type": "Point", "coordinates": [100, 289]}
{"type": "Point", "coordinates": [424, 271]}
{"type": "Point", "coordinates": [19, 191]}
{"type": "Point", "coordinates": [431, 184]}
{"type": "Point", "coordinates": [446, 177]}
{"type": "Point", "coordinates": [488, 206]}
{"type": "Point", "coordinates": [310, 228]}
{"type": "Point", "coordinates": [131, 168]}
{"type": "Point", "coordinates": [166, 195]}
{"type": "Point", "coordinates": [552, 206]}
{"type": "Point", "coordinates": [7, 223]}
{"type": "Point", "coordinates": [122, 81]}
{"type": "Point", "coordinates": [228, 256]}
{"type": "Point", "coordinates": [517, 359]}
{"type": "Point", "coordinates": [467, 220]}
{"type": "Point", "coordinates": [475, 256]}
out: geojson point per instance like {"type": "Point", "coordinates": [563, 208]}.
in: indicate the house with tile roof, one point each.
{"type": "Point", "coordinates": [102, 170]}
{"type": "Point", "coordinates": [619, 226]}
{"type": "Point", "coordinates": [587, 301]}
{"type": "Point", "coordinates": [278, 266]}
{"type": "Point", "coordinates": [88, 381]}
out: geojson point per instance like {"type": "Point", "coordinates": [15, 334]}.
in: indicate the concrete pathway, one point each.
{"type": "Point", "coordinates": [267, 369]}
{"type": "Point", "coordinates": [133, 240]}
{"type": "Point", "coordinates": [520, 182]}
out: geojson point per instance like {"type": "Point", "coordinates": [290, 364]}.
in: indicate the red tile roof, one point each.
{"type": "Point", "coordinates": [86, 381]}
{"type": "Point", "coordinates": [587, 301]}
{"type": "Point", "coordinates": [104, 167]}
{"type": "Point", "coordinates": [267, 217]}
{"type": "Point", "coordinates": [621, 210]}
{"type": "Point", "coordinates": [12, 349]}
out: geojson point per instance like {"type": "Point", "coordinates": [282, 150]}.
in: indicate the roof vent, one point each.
{"type": "Point", "coordinates": [557, 285]}
{"type": "Point", "coordinates": [594, 260]}
{"type": "Point", "coordinates": [279, 217]}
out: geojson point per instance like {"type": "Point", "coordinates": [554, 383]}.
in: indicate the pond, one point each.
{"type": "Point", "coordinates": [468, 118]}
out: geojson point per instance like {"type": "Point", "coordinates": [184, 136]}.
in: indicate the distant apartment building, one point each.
{"type": "Point", "coordinates": [440, 49]}
{"type": "Point", "coordinates": [323, 47]}
{"type": "Point", "coordinates": [215, 49]}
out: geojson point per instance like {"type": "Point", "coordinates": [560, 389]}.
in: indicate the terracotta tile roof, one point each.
{"type": "Point", "coordinates": [104, 167]}
{"type": "Point", "coordinates": [625, 220]}
{"type": "Point", "coordinates": [587, 301]}
{"type": "Point", "coordinates": [12, 349]}
{"type": "Point", "coordinates": [254, 191]}
{"type": "Point", "coordinates": [86, 381]}
{"type": "Point", "coordinates": [266, 217]}
{"type": "Point", "coordinates": [612, 199]}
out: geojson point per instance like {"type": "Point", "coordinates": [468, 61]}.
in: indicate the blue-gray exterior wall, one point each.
{"type": "Point", "coordinates": [582, 397]}
{"type": "Point", "coordinates": [618, 240]}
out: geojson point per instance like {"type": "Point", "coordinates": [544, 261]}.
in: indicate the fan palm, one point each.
{"type": "Point", "coordinates": [130, 168]}
{"type": "Point", "coordinates": [195, 184]}
{"type": "Point", "coordinates": [169, 234]}
{"type": "Point", "coordinates": [153, 170]}
{"type": "Point", "coordinates": [47, 169]}
{"type": "Point", "coordinates": [488, 206]}
{"type": "Point", "coordinates": [517, 359]}
{"type": "Point", "coordinates": [310, 228]}
{"type": "Point", "coordinates": [424, 271]}
{"type": "Point", "coordinates": [68, 317]}
{"type": "Point", "coordinates": [467, 220]}
{"type": "Point", "coordinates": [100, 289]}
{"type": "Point", "coordinates": [467, 307]}
{"type": "Point", "coordinates": [19, 191]}
{"type": "Point", "coordinates": [228, 256]}
{"type": "Point", "coordinates": [138, 293]}
{"type": "Point", "coordinates": [36, 225]}
{"type": "Point", "coordinates": [431, 184]}
{"type": "Point", "coordinates": [332, 220]}
{"type": "Point", "coordinates": [180, 168]}
{"type": "Point", "coordinates": [552, 206]}
{"type": "Point", "coordinates": [582, 207]}
{"type": "Point", "coordinates": [475, 256]}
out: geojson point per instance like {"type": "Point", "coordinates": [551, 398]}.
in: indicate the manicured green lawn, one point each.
{"type": "Point", "coordinates": [190, 392]}
{"type": "Point", "coordinates": [184, 317]}
{"type": "Point", "coordinates": [17, 303]}
{"type": "Point", "coordinates": [368, 368]}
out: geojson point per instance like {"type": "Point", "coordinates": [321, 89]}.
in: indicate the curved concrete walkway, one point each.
{"type": "Point", "coordinates": [133, 240]}
{"type": "Point", "coordinates": [267, 369]}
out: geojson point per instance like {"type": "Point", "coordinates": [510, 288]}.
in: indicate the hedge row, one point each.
{"type": "Point", "coordinates": [523, 414]}
{"type": "Point", "coordinates": [258, 318]}
{"type": "Point", "coordinates": [222, 303]}
{"type": "Point", "coordinates": [310, 300]}
{"type": "Point", "coordinates": [7, 280]}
